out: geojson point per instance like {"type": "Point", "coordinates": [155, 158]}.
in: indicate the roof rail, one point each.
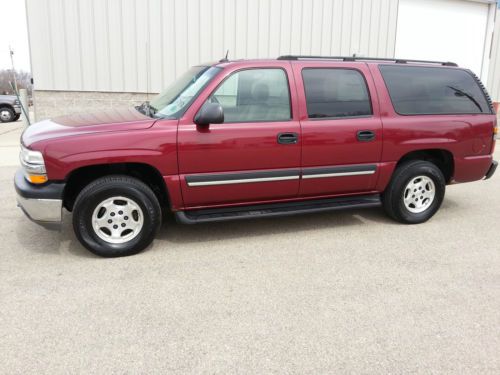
{"type": "Point", "coordinates": [359, 58]}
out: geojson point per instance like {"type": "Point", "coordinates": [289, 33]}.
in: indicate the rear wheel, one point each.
{"type": "Point", "coordinates": [17, 117]}
{"type": "Point", "coordinates": [415, 192]}
{"type": "Point", "coordinates": [116, 216]}
{"type": "Point", "coordinates": [6, 114]}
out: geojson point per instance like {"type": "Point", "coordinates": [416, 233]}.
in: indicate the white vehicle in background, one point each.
{"type": "Point", "coordinates": [10, 108]}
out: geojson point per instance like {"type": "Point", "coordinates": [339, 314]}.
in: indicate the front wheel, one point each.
{"type": "Point", "coordinates": [116, 216]}
{"type": "Point", "coordinates": [415, 192]}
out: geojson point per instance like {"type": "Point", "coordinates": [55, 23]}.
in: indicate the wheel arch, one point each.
{"type": "Point", "coordinates": [7, 105]}
{"type": "Point", "coordinates": [442, 158]}
{"type": "Point", "coordinates": [78, 178]}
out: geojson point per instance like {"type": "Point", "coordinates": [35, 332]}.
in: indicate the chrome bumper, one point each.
{"type": "Point", "coordinates": [41, 211]}
{"type": "Point", "coordinates": [41, 203]}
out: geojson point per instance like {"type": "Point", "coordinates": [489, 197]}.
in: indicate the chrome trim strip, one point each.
{"type": "Point", "coordinates": [337, 174]}
{"type": "Point", "coordinates": [279, 175]}
{"type": "Point", "coordinates": [241, 181]}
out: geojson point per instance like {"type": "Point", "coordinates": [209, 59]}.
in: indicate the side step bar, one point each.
{"type": "Point", "coordinates": [276, 209]}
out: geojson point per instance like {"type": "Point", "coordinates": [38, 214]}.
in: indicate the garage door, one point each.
{"type": "Point", "coordinates": [448, 30]}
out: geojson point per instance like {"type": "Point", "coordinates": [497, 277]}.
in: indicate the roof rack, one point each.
{"type": "Point", "coordinates": [359, 58]}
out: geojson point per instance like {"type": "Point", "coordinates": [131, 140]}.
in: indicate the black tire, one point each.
{"type": "Point", "coordinates": [17, 117]}
{"type": "Point", "coordinates": [112, 186]}
{"type": "Point", "coordinates": [7, 114]}
{"type": "Point", "coordinates": [393, 196]}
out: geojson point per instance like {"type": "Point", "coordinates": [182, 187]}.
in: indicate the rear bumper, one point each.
{"type": "Point", "coordinates": [471, 168]}
{"type": "Point", "coordinates": [17, 109]}
{"type": "Point", "coordinates": [41, 204]}
{"type": "Point", "coordinates": [491, 171]}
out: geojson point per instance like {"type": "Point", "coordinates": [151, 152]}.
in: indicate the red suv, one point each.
{"type": "Point", "coordinates": [259, 138]}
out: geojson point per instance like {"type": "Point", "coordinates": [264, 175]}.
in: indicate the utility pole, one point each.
{"type": "Point", "coordinates": [13, 69]}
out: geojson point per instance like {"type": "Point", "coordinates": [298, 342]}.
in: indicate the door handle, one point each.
{"type": "Point", "coordinates": [365, 135]}
{"type": "Point", "coordinates": [288, 138]}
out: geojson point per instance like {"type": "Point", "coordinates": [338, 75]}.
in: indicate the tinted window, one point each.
{"type": "Point", "coordinates": [335, 93]}
{"type": "Point", "coordinates": [254, 95]}
{"type": "Point", "coordinates": [432, 90]}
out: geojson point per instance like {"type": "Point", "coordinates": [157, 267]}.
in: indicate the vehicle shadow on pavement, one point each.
{"type": "Point", "coordinates": [38, 239]}
{"type": "Point", "coordinates": [179, 233]}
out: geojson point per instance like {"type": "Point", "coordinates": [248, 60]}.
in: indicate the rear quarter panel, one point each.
{"type": "Point", "coordinates": [468, 137]}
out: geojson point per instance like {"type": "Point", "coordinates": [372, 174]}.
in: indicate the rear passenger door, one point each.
{"type": "Point", "coordinates": [341, 128]}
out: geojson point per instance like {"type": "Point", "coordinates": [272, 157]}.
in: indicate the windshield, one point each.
{"type": "Point", "coordinates": [173, 102]}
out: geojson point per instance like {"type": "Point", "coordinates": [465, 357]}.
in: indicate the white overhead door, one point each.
{"type": "Point", "coordinates": [448, 30]}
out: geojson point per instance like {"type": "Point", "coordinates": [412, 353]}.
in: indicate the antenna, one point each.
{"type": "Point", "coordinates": [147, 72]}
{"type": "Point", "coordinates": [225, 59]}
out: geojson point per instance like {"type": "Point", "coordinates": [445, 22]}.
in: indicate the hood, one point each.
{"type": "Point", "coordinates": [8, 97]}
{"type": "Point", "coordinates": [121, 119]}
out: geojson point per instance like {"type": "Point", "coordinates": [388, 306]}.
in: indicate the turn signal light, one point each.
{"type": "Point", "coordinates": [37, 178]}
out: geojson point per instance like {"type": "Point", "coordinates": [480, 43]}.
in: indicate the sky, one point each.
{"type": "Point", "coordinates": [14, 32]}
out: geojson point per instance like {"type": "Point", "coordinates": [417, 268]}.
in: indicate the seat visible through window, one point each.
{"type": "Point", "coordinates": [254, 95]}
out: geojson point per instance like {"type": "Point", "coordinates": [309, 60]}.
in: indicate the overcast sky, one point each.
{"type": "Point", "coordinates": [13, 32]}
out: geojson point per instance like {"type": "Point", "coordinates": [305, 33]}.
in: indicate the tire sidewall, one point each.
{"type": "Point", "coordinates": [83, 221]}
{"type": "Point", "coordinates": [423, 169]}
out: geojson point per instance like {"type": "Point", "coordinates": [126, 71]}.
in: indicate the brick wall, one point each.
{"type": "Point", "coordinates": [49, 104]}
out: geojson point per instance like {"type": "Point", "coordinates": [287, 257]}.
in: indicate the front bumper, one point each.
{"type": "Point", "coordinates": [41, 203]}
{"type": "Point", "coordinates": [17, 109]}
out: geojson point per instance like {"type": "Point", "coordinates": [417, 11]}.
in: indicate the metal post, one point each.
{"type": "Point", "coordinates": [23, 96]}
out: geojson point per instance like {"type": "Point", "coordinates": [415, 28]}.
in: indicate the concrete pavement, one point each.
{"type": "Point", "coordinates": [344, 292]}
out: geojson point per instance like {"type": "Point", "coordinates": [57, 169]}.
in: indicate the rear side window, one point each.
{"type": "Point", "coordinates": [333, 93]}
{"type": "Point", "coordinates": [433, 91]}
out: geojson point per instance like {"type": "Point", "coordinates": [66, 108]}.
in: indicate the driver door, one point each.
{"type": "Point", "coordinates": [254, 156]}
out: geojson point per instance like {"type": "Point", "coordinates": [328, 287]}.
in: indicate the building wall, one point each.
{"type": "Point", "coordinates": [142, 46]}
{"type": "Point", "coordinates": [112, 47]}
{"type": "Point", "coordinates": [51, 103]}
{"type": "Point", "coordinates": [494, 70]}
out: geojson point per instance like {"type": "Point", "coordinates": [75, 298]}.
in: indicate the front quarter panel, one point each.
{"type": "Point", "coordinates": [155, 146]}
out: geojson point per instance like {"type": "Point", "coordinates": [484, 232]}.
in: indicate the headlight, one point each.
{"type": "Point", "coordinates": [33, 165]}
{"type": "Point", "coordinates": [17, 102]}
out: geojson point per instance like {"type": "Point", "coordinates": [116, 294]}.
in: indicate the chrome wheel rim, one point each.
{"type": "Point", "coordinates": [117, 220]}
{"type": "Point", "coordinates": [419, 194]}
{"type": "Point", "coordinates": [5, 115]}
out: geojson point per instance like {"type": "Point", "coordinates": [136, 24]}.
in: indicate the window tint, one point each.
{"type": "Point", "coordinates": [432, 90]}
{"type": "Point", "coordinates": [254, 95]}
{"type": "Point", "coordinates": [335, 93]}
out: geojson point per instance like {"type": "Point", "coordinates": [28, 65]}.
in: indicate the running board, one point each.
{"type": "Point", "coordinates": [276, 209]}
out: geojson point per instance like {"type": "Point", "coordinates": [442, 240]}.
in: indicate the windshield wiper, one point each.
{"type": "Point", "coordinates": [462, 93]}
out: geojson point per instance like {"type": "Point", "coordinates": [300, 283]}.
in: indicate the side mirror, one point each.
{"type": "Point", "coordinates": [210, 113]}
